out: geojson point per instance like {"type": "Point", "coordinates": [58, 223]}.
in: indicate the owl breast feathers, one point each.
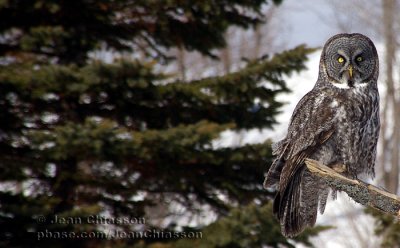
{"type": "Point", "coordinates": [336, 123]}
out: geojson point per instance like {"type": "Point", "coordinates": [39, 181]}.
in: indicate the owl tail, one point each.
{"type": "Point", "coordinates": [274, 174]}
{"type": "Point", "coordinates": [296, 205]}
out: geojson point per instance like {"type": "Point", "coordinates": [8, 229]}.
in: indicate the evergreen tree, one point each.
{"type": "Point", "coordinates": [80, 137]}
{"type": "Point", "coordinates": [387, 227]}
{"type": "Point", "coordinates": [250, 226]}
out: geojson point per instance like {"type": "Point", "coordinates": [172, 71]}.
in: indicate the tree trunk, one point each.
{"type": "Point", "coordinates": [181, 63]}
{"type": "Point", "coordinates": [390, 144]}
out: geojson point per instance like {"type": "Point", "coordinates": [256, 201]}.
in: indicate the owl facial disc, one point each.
{"type": "Point", "coordinates": [349, 61]}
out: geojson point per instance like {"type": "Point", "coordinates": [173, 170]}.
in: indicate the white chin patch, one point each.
{"type": "Point", "coordinates": [341, 85]}
{"type": "Point", "coordinates": [361, 85]}
{"type": "Point", "coordinates": [344, 85]}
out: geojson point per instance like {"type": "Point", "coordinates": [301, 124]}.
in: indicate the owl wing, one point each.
{"type": "Point", "coordinates": [311, 125]}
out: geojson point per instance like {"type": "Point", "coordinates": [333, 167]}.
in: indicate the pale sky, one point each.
{"type": "Point", "coordinates": [313, 21]}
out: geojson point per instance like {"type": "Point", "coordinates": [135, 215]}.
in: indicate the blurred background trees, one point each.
{"type": "Point", "coordinates": [95, 122]}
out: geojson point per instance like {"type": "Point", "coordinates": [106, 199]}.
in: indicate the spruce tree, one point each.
{"type": "Point", "coordinates": [387, 227]}
{"type": "Point", "coordinates": [81, 137]}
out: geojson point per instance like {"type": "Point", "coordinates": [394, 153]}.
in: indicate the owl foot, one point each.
{"type": "Point", "coordinates": [340, 168]}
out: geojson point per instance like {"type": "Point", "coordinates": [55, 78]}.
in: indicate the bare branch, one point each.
{"type": "Point", "coordinates": [363, 193]}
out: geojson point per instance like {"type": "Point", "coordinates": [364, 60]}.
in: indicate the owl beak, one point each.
{"type": "Point", "coordinates": [350, 71]}
{"type": "Point", "coordinates": [349, 76]}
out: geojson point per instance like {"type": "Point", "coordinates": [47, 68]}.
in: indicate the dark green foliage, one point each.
{"type": "Point", "coordinates": [250, 226]}
{"type": "Point", "coordinates": [68, 30]}
{"type": "Point", "coordinates": [247, 226]}
{"type": "Point", "coordinates": [386, 226]}
{"type": "Point", "coordinates": [81, 137]}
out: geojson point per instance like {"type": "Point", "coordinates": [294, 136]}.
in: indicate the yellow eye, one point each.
{"type": "Point", "coordinates": [359, 59]}
{"type": "Point", "coordinates": [340, 59]}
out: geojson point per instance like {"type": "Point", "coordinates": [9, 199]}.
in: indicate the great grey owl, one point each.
{"type": "Point", "coordinates": [336, 123]}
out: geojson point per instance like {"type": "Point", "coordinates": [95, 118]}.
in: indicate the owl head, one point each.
{"type": "Point", "coordinates": [349, 61]}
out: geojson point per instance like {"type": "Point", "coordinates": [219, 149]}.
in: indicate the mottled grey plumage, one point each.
{"type": "Point", "coordinates": [337, 122]}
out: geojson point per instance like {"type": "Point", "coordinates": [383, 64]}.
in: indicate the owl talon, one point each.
{"type": "Point", "coordinates": [339, 168]}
